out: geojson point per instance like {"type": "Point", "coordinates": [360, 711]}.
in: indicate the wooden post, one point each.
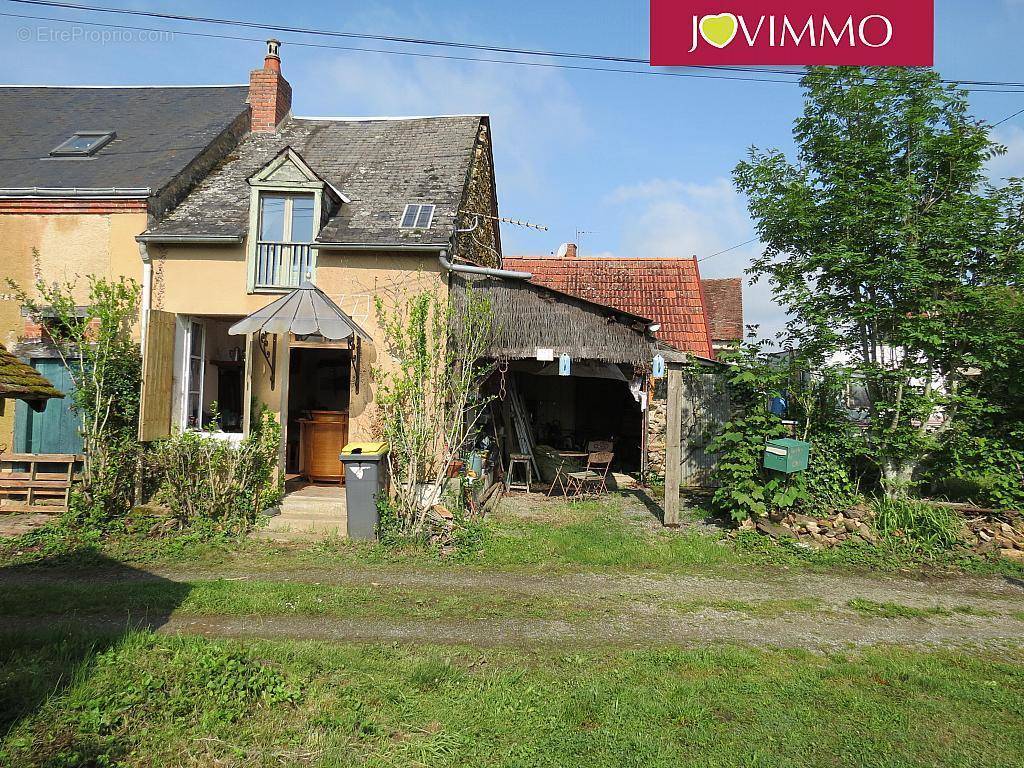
{"type": "Point", "coordinates": [673, 448]}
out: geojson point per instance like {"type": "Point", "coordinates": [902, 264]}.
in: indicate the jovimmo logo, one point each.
{"type": "Point", "coordinates": [793, 32]}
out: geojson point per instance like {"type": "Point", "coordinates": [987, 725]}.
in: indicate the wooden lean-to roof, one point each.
{"type": "Point", "coordinates": [527, 317]}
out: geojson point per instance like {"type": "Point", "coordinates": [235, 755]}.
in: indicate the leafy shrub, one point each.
{"type": "Point", "coordinates": [211, 483]}
{"type": "Point", "coordinates": [829, 481]}
{"type": "Point", "coordinates": [922, 527]}
{"type": "Point", "coordinates": [745, 488]}
{"type": "Point", "coordinates": [984, 470]}
{"type": "Point", "coordinates": [96, 345]}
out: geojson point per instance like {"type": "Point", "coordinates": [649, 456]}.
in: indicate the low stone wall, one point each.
{"type": "Point", "coordinates": [657, 413]}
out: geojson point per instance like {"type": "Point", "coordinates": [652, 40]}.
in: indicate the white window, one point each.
{"type": "Point", "coordinates": [284, 258]}
{"type": "Point", "coordinates": [417, 216]}
{"type": "Point", "coordinates": [195, 374]}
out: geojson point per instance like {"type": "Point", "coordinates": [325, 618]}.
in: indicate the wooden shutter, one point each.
{"type": "Point", "coordinates": [157, 377]}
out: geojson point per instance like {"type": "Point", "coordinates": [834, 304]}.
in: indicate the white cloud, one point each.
{"type": "Point", "coordinates": [646, 190]}
{"type": "Point", "coordinates": [1012, 163]}
{"type": "Point", "coordinates": [533, 112]}
{"type": "Point", "coordinates": [672, 218]}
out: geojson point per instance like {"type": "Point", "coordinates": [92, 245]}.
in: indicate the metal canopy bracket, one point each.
{"type": "Point", "coordinates": [355, 344]}
{"type": "Point", "coordinates": [270, 355]}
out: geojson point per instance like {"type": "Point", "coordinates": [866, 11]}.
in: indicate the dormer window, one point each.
{"type": "Point", "coordinates": [83, 144]}
{"type": "Point", "coordinates": [417, 216]}
{"type": "Point", "coordinates": [283, 254]}
{"type": "Point", "coordinates": [288, 206]}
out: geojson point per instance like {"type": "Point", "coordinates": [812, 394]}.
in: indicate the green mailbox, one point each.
{"type": "Point", "coordinates": [786, 455]}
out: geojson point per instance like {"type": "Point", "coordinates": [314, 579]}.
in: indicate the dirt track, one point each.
{"type": "Point", "coordinates": [632, 610]}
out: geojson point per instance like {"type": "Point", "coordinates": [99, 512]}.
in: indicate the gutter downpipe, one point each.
{"type": "Point", "coordinates": [147, 294]}
{"type": "Point", "coordinates": [470, 270]}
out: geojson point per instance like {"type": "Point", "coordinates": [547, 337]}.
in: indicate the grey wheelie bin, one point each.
{"type": "Point", "coordinates": [366, 476]}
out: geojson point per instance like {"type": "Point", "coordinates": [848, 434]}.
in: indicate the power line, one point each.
{"type": "Point", "coordinates": [740, 245]}
{"type": "Point", "coordinates": [417, 54]}
{"type": "Point", "coordinates": [983, 85]}
{"type": "Point", "coordinates": [1007, 119]}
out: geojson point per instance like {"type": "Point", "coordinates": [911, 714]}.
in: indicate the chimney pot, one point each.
{"type": "Point", "coordinates": [570, 251]}
{"type": "Point", "coordinates": [272, 61]}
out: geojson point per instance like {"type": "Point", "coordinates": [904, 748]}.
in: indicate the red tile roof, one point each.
{"type": "Point", "coordinates": [724, 297]}
{"type": "Point", "coordinates": [668, 291]}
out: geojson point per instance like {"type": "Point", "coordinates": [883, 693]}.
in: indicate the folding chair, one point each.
{"type": "Point", "coordinates": [559, 480]}
{"type": "Point", "coordinates": [600, 446]}
{"type": "Point", "coordinates": [596, 474]}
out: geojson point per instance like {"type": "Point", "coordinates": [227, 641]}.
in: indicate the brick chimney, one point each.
{"type": "Point", "coordinates": [567, 251]}
{"type": "Point", "coordinates": [270, 95]}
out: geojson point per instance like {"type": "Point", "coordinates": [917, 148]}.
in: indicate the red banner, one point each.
{"type": "Point", "coordinates": [793, 32]}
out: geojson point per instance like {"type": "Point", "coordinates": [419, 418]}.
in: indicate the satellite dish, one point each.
{"type": "Point", "coordinates": [563, 249]}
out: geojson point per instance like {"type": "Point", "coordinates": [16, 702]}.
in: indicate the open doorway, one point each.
{"type": "Point", "coordinates": [319, 378]}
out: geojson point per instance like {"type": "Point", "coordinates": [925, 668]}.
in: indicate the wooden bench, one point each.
{"type": "Point", "coordinates": [37, 482]}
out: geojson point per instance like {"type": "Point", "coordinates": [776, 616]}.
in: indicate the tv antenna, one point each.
{"type": "Point", "coordinates": [580, 234]}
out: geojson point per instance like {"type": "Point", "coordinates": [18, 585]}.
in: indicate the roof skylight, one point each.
{"type": "Point", "coordinates": [417, 216]}
{"type": "Point", "coordinates": [83, 143]}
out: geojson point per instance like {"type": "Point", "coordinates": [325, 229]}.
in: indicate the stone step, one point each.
{"type": "Point", "coordinates": [316, 511]}
{"type": "Point", "coordinates": [306, 523]}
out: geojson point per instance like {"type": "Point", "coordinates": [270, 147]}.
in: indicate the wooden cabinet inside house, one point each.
{"type": "Point", "coordinates": [318, 395]}
{"type": "Point", "coordinates": [321, 438]}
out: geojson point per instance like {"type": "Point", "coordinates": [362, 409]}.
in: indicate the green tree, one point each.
{"type": "Point", "coordinates": [429, 402]}
{"type": "Point", "coordinates": [95, 343]}
{"type": "Point", "coordinates": [887, 244]}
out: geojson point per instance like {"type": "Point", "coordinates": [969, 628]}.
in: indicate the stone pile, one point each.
{"type": "Point", "coordinates": [990, 533]}
{"type": "Point", "coordinates": [997, 534]}
{"type": "Point", "coordinates": [817, 532]}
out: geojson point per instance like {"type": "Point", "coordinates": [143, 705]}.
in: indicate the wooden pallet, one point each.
{"type": "Point", "coordinates": [37, 482]}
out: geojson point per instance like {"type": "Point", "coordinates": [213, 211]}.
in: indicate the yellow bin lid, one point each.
{"type": "Point", "coordinates": [351, 449]}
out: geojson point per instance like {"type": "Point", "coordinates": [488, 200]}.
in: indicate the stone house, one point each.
{"type": "Point", "coordinates": [360, 208]}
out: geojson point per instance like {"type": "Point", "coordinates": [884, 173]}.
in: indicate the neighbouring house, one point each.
{"type": "Point", "coordinates": [723, 297]}
{"type": "Point", "coordinates": [306, 212]}
{"type": "Point", "coordinates": [84, 170]}
{"type": "Point", "coordinates": [670, 292]}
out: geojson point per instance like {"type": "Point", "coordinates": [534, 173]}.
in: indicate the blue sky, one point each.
{"type": "Point", "coordinates": [641, 163]}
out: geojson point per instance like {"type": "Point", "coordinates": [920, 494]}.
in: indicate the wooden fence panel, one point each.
{"type": "Point", "coordinates": [704, 409]}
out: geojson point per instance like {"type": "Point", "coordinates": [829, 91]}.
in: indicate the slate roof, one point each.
{"type": "Point", "coordinates": [666, 290]}
{"type": "Point", "coordinates": [380, 164]}
{"type": "Point", "coordinates": [21, 381]}
{"type": "Point", "coordinates": [160, 130]}
{"type": "Point", "coordinates": [724, 298]}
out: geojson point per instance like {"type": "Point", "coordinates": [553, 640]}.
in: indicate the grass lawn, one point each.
{"type": "Point", "coordinates": [146, 700]}
{"type": "Point", "coordinates": [91, 696]}
{"type": "Point", "coordinates": [615, 533]}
